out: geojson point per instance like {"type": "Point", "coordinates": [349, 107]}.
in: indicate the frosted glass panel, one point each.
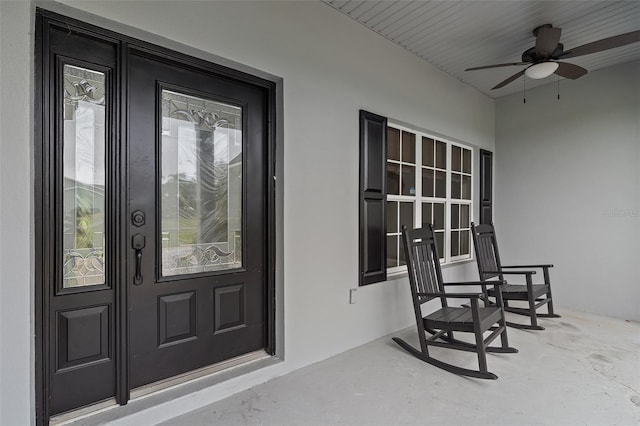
{"type": "Point", "coordinates": [84, 177]}
{"type": "Point", "coordinates": [201, 185]}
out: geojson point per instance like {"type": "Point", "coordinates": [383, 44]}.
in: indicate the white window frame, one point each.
{"type": "Point", "coordinates": [418, 199]}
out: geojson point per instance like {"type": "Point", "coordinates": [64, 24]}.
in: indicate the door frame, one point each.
{"type": "Point", "coordinates": [43, 194]}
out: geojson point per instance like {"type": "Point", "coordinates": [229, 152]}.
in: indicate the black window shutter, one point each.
{"type": "Point", "coordinates": [373, 194]}
{"type": "Point", "coordinates": [486, 188]}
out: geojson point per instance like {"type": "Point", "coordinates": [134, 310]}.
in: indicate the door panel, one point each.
{"type": "Point", "coordinates": [80, 85]}
{"type": "Point", "coordinates": [197, 150]}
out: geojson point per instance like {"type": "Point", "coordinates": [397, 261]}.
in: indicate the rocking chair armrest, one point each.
{"type": "Point", "coordinates": [452, 295]}
{"type": "Point", "coordinates": [511, 272]}
{"type": "Point", "coordinates": [463, 295]}
{"type": "Point", "coordinates": [496, 282]}
{"type": "Point", "coordinates": [528, 266]}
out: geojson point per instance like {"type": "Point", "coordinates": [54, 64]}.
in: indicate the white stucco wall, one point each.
{"type": "Point", "coordinates": [16, 186]}
{"type": "Point", "coordinates": [568, 187]}
{"type": "Point", "coordinates": [331, 67]}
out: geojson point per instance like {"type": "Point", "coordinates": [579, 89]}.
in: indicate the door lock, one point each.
{"type": "Point", "coordinates": [137, 218]}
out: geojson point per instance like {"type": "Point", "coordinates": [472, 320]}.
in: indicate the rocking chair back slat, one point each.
{"type": "Point", "coordinates": [487, 251]}
{"type": "Point", "coordinates": [422, 265]}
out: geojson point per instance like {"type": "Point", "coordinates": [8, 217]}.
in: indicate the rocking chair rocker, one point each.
{"type": "Point", "coordinates": [425, 278]}
{"type": "Point", "coordinates": [489, 266]}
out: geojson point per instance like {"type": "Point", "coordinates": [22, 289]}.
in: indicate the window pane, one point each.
{"type": "Point", "coordinates": [464, 216]}
{"type": "Point", "coordinates": [201, 178]}
{"type": "Point", "coordinates": [438, 216]}
{"type": "Point", "coordinates": [441, 155]}
{"type": "Point", "coordinates": [426, 214]}
{"type": "Point", "coordinates": [455, 218]}
{"type": "Point", "coordinates": [83, 167]}
{"type": "Point", "coordinates": [408, 180]}
{"type": "Point", "coordinates": [464, 242]}
{"type": "Point", "coordinates": [455, 185]}
{"type": "Point", "coordinates": [406, 215]}
{"type": "Point", "coordinates": [393, 178]}
{"type": "Point", "coordinates": [393, 144]}
{"type": "Point", "coordinates": [428, 152]}
{"type": "Point", "coordinates": [408, 147]}
{"type": "Point", "coordinates": [401, 259]}
{"type": "Point", "coordinates": [455, 247]}
{"type": "Point", "coordinates": [440, 244]}
{"type": "Point", "coordinates": [466, 187]}
{"type": "Point", "coordinates": [392, 216]}
{"type": "Point", "coordinates": [466, 160]}
{"type": "Point", "coordinates": [392, 251]}
{"type": "Point", "coordinates": [441, 184]}
{"type": "Point", "coordinates": [427, 182]}
{"type": "Point", "coordinates": [456, 158]}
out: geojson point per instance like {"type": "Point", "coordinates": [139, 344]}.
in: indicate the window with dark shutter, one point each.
{"type": "Point", "coordinates": [373, 193]}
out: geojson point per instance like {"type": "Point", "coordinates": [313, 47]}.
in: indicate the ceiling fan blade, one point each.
{"type": "Point", "coordinates": [509, 80]}
{"type": "Point", "coordinates": [604, 44]}
{"type": "Point", "coordinates": [546, 41]}
{"type": "Point", "coordinates": [485, 67]}
{"type": "Point", "coordinates": [571, 71]}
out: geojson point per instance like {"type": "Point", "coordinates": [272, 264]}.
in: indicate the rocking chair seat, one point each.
{"type": "Point", "coordinates": [461, 319]}
{"type": "Point", "coordinates": [519, 291]}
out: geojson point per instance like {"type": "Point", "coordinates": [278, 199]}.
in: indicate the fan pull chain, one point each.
{"type": "Point", "coordinates": [558, 86]}
{"type": "Point", "coordinates": [524, 90]}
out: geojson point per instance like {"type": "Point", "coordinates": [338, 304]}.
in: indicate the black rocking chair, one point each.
{"type": "Point", "coordinates": [489, 266]}
{"type": "Point", "coordinates": [425, 278]}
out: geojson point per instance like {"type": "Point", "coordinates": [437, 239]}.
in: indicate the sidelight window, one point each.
{"type": "Point", "coordinates": [83, 170]}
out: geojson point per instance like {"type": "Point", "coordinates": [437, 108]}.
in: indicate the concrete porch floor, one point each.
{"type": "Point", "coordinates": [583, 369]}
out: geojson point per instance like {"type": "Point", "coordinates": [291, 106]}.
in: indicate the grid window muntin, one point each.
{"type": "Point", "coordinates": [431, 204]}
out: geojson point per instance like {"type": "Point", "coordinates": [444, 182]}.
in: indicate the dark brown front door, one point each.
{"type": "Point", "coordinates": [197, 150]}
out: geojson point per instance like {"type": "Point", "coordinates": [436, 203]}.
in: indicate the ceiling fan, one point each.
{"type": "Point", "coordinates": [543, 58]}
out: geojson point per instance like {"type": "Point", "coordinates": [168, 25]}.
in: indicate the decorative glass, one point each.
{"type": "Point", "coordinates": [83, 169]}
{"type": "Point", "coordinates": [201, 185]}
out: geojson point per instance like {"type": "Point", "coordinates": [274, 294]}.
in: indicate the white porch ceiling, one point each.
{"type": "Point", "coordinates": [454, 35]}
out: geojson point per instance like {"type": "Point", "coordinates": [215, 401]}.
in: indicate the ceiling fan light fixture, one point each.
{"type": "Point", "coordinates": [541, 70]}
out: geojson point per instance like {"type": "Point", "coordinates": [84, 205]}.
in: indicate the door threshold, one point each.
{"type": "Point", "coordinates": [159, 387]}
{"type": "Point", "coordinates": [83, 412]}
{"type": "Point", "coordinates": [192, 376]}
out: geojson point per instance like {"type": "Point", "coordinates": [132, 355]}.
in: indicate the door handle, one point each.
{"type": "Point", "coordinates": [138, 243]}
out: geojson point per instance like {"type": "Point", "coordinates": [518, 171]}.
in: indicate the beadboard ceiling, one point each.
{"type": "Point", "coordinates": [454, 35]}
